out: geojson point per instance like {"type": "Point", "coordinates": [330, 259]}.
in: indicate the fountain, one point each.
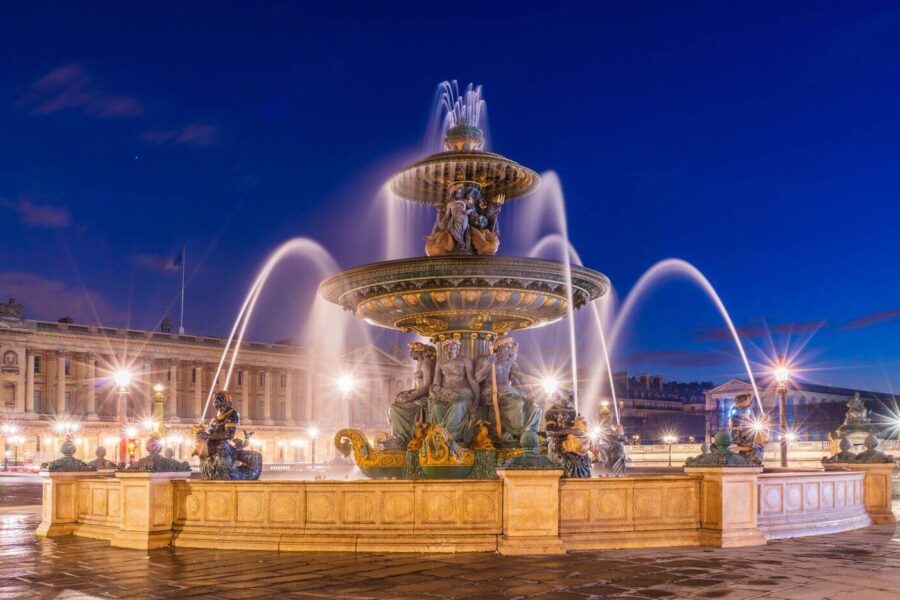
{"type": "Point", "coordinates": [466, 300]}
{"type": "Point", "coordinates": [472, 413]}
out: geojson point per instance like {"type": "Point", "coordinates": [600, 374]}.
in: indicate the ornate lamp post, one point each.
{"type": "Point", "coordinates": [670, 439]}
{"type": "Point", "coordinates": [122, 377]}
{"type": "Point", "coordinates": [17, 440]}
{"type": "Point", "coordinates": [9, 432]}
{"type": "Point", "coordinates": [782, 375]}
{"type": "Point", "coordinates": [159, 398]}
{"type": "Point", "coordinates": [313, 433]}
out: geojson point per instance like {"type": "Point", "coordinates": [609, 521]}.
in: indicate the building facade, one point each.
{"type": "Point", "coordinates": [52, 372]}
{"type": "Point", "coordinates": [812, 410]}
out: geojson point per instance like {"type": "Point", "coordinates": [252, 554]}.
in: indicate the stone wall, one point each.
{"type": "Point", "coordinates": [523, 512]}
{"type": "Point", "coordinates": [371, 516]}
{"type": "Point", "coordinates": [629, 512]}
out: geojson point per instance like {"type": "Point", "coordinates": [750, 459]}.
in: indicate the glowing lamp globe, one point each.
{"type": "Point", "coordinates": [782, 374]}
{"type": "Point", "coordinates": [550, 385]}
{"type": "Point", "coordinates": [346, 384]}
{"type": "Point", "coordinates": [122, 378]}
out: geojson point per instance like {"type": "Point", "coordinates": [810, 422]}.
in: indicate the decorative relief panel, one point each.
{"type": "Point", "coordinates": [625, 504]}
{"type": "Point", "coordinates": [803, 499]}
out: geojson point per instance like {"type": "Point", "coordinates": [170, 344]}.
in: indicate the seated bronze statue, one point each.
{"type": "Point", "coordinates": [221, 455]}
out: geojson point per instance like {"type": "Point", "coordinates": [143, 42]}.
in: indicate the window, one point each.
{"type": "Point", "coordinates": [169, 375]}
{"type": "Point", "coordinates": [37, 365]}
{"type": "Point", "coordinates": [68, 401]}
{"type": "Point", "coordinates": [37, 402]}
{"type": "Point", "coordinates": [262, 379]}
{"type": "Point", "coordinates": [194, 375]}
{"type": "Point", "coordinates": [283, 381]}
{"type": "Point", "coordinates": [68, 365]}
{"type": "Point", "coordinates": [240, 379]}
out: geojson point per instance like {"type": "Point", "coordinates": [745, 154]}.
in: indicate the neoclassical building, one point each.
{"type": "Point", "coordinates": [54, 372]}
{"type": "Point", "coordinates": [812, 410]}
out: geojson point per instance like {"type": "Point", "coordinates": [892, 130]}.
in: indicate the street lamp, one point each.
{"type": "Point", "coordinates": [782, 375]}
{"type": "Point", "coordinates": [17, 440]}
{"type": "Point", "coordinates": [9, 432]}
{"type": "Point", "coordinates": [122, 378]}
{"type": "Point", "coordinates": [670, 439]}
{"type": "Point", "coordinates": [312, 433]}
{"type": "Point", "coordinates": [550, 385]}
{"type": "Point", "coordinates": [346, 385]}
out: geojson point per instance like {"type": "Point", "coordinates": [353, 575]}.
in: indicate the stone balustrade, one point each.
{"type": "Point", "coordinates": [810, 503]}
{"type": "Point", "coordinates": [523, 512]}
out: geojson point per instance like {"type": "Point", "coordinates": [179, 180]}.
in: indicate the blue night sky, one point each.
{"type": "Point", "coordinates": [759, 142]}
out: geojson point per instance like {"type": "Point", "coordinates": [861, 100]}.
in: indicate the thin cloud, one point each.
{"type": "Point", "coordinates": [677, 358]}
{"type": "Point", "coordinates": [47, 299]}
{"type": "Point", "coordinates": [152, 262]}
{"type": "Point", "coordinates": [192, 134]}
{"type": "Point", "coordinates": [870, 319]}
{"type": "Point", "coordinates": [70, 88]}
{"type": "Point", "coordinates": [43, 216]}
{"type": "Point", "coordinates": [723, 334]}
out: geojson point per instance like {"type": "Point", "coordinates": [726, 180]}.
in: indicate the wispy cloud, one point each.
{"type": "Point", "coordinates": [49, 299]}
{"type": "Point", "coordinates": [677, 358]}
{"type": "Point", "coordinates": [723, 334]}
{"type": "Point", "coordinates": [70, 88]}
{"type": "Point", "coordinates": [44, 216]}
{"type": "Point", "coordinates": [870, 319]}
{"type": "Point", "coordinates": [191, 134]}
{"type": "Point", "coordinates": [152, 262]}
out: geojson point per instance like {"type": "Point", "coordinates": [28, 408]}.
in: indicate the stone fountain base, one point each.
{"type": "Point", "coordinates": [521, 512]}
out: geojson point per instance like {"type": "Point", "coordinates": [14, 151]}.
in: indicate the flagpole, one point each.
{"type": "Point", "coordinates": [183, 267]}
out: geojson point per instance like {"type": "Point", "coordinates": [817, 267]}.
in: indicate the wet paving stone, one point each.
{"type": "Point", "coordinates": [862, 565]}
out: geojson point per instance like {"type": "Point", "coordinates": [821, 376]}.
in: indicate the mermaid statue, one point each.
{"type": "Point", "coordinates": [409, 406]}
{"type": "Point", "coordinates": [221, 455]}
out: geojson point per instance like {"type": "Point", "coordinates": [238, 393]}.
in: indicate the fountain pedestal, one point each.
{"type": "Point", "coordinates": [148, 509]}
{"type": "Point", "coordinates": [728, 506]}
{"type": "Point", "coordinates": [59, 515]}
{"type": "Point", "coordinates": [530, 512]}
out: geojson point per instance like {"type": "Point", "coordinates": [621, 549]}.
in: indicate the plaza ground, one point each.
{"type": "Point", "coordinates": [864, 565]}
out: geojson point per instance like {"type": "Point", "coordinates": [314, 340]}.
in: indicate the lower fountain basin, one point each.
{"type": "Point", "coordinates": [480, 295]}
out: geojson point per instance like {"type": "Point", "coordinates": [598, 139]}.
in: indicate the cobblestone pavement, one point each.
{"type": "Point", "coordinates": [19, 489]}
{"type": "Point", "coordinates": [863, 565]}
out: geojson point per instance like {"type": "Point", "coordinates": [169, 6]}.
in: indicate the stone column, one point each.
{"type": "Point", "coordinates": [198, 390]}
{"type": "Point", "coordinates": [246, 380]}
{"type": "Point", "coordinates": [267, 395]}
{"type": "Point", "coordinates": [877, 490]}
{"type": "Point", "coordinates": [728, 506]}
{"type": "Point", "coordinates": [147, 510]}
{"type": "Point", "coordinates": [530, 512]}
{"type": "Point", "coordinates": [59, 512]}
{"type": "Point", "coordinates": [60, 383]}
{"type": "Point", "coordinates": [289, 397]}
{"type": "Point", "coordinates": [91, 396]}
{"type": "Point", "coordinates": [172, 397]}
{"type": "Point", "coordinates": [29, 383]}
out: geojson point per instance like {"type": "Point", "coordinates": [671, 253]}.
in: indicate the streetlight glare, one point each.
{"type": "Point", "coordinates": [158, 388]}
{"type": "Point", "coordinates": [346, 384]}
{"type": "Point", "coordinates": [122, 377]}
{"type": "Point", "coordinates": [149, 424]}
{"type": "Point", "coordinates": [782, 374]}
{"type": "Point", "coordinates": [550, 385]}
{"type": "Point", "coordinates": [131, 431]}
{"type": "Point", "coordinates": [313, 432]}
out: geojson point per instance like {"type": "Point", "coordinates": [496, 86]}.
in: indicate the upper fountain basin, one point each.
{"type": "Point", "coordinates": [481, 296]}
{"type": "Point", "coordinates": [428, 181]}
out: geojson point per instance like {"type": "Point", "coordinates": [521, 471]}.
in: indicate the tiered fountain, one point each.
{"type": "Point", "coordinates": [471, 404]}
